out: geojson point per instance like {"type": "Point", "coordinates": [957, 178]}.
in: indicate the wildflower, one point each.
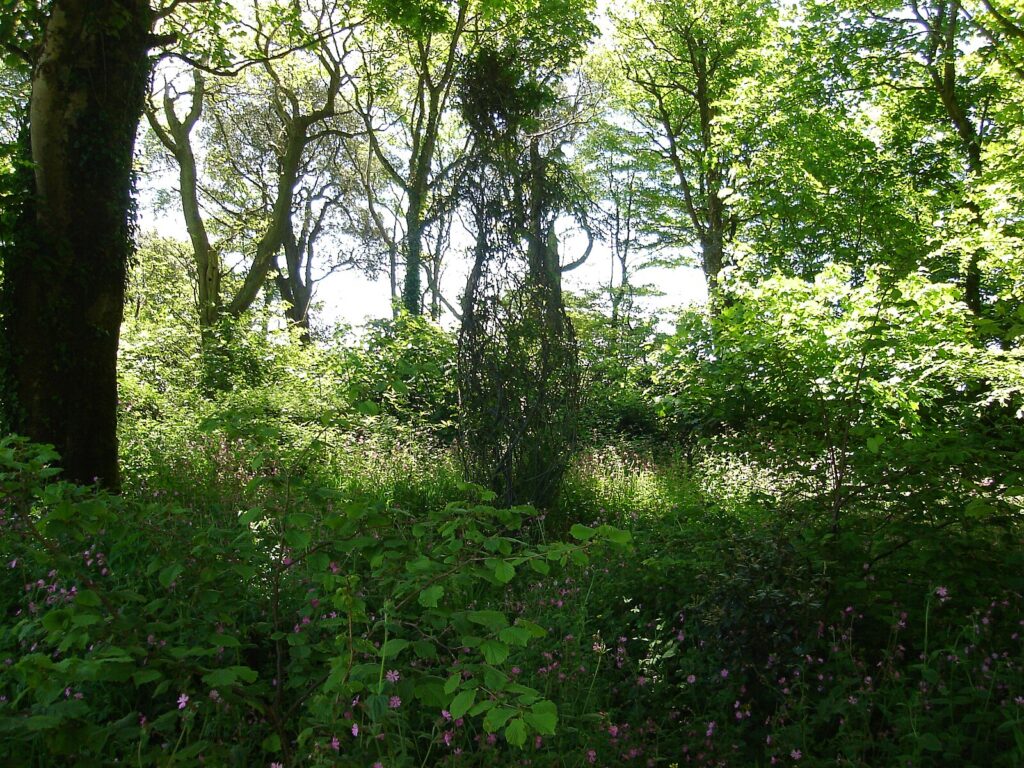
{"type": "Point", "coordinates": [355, 729]}
{"type": "Point", "coordinates": [691, 679]}
{"type": "Point", "coordinates": [796, 754]}
{"type": "Point", "coordinates": [378, 764]}
{"type": "Point", "coordinates": [214, 694]}
{"type": "Point", "coordinates": [335, 744]}
{"type": "Point", "coordinates": [392, 676]}
{"type": "Point", "coordinates": [724, 673]}
{"type": "Point", "coordinates": [277, 765]}
{"type": "Point", "coordinates": [183, 701]}
{"type": "Point", "coordinates": [591, 756]}
{"type": "Point", "coordinates": [394, 702]}
{"type": "Point", "coordinates": [711, 729]}
{"type": "Point", "coordinates": [446, 714]}
{"type": "Point", "coordinates": [942, 593]}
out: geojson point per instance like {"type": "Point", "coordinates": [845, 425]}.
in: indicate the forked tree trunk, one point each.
{"type": "Point", "coordinates": [64, 281]}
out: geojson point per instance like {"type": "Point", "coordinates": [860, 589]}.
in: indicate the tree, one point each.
{"type": "Point", "coordinates": [627, 211]}
{"type": "Point", "coordinates": [681, 63]}
{"type": "Point", "coordinates": [65, 272]}
{"type": "Point", "coordinates": [518, 368]}
{"type": "Point", "coordinates": [264, 150]}
{"type": "Point", "coordinates": [924, 65]}
{"type": "Point", "coordinates": [408, 66]}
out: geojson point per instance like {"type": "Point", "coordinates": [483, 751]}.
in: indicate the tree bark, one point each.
{"type": "Point", "coordinates": [64, 281]}
{"type": "Point", "coordinates": [412, 289]}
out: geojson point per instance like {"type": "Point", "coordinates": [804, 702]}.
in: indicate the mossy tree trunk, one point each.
{"type": "Point", "coordinates": [64, 280]}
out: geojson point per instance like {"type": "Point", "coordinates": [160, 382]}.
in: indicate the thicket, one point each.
{"type": "Point", "coordinates": [811, 554]}
{"type": "Point", "coordinates": [781, 528]}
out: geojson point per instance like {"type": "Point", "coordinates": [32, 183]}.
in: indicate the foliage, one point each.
{"type": "Point", "coordinates": [313, 618]}
{"type": "Point", "coordinates": [791, 533]}
{"type": "Point", "coordinates": [406, 367]}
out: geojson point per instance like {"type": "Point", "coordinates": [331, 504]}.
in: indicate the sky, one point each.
{"type": "Point", "coordinates": [350, 298]}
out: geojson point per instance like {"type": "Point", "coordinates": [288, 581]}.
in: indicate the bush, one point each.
{"type": "Point", "coordinates": [304, 628]}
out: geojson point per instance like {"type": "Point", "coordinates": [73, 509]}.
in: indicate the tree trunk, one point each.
{"type": "Point", "coordinates": [412, 290]}
{"type": "Point", "coordinates": [64, 282]}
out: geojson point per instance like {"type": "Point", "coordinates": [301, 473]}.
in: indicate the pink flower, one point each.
{"type": "Point", "coordinates": [378, 764]}
{"type": "Point", "coordinates": [214, 695]}
{"type": "Point", "coordinates": [724, 673]}
{"type": "Point", "coordinates": [691, 679]}
{"type": "Point", "coordinates": [591, 756]}
{"type": "Point", "coordinates": [355, 729]}
{"type": "Point", "coordinates": [711, 729]}
{"type": "Point", "coordinates": [335, 744]}
{"type": "Point", "coordinates": [796, 754]}
{"type": "Point", "coordinates": [394, 702]}
{"type": "Point", "coordinates": [277, 765]}
{"type": "Point", "coordinates": [393, 676]}
{"type": "Point", "coordinates": [183, 701]}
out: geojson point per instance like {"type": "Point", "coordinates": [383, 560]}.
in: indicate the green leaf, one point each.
{"type": "Point", "coordinates": [462, 703]}
{"type": "Point", "coordinates": [515, 733]}
{"type": "Point", "coordinates": [55, 621]}
{"type": "Point", "coordinates": [85, 619]}
{"type": "Point", "coordinates": [543, 717]}
{"type": "Point", "coordinates": [495, 679]}
{"type": "Point", "coordinates": [540, 566]}
{"type": "Point", "coordinates": [245, 674]}
{"type": "Point", "coordinates": [493, 620]}
{"type": "Point", "coordinates": [535, 630]}
{"type": "Point", "coordinates": [89, 598]}
{"type": "Point", "coordinates": [144, 676]}
{"type": "Point", "coordinates": [271, 744]}
{"type": "Point", "coordinates": [430, 596]}
{"type": "Point", "coordinates": [978, 509]}
{"type": "Point", "coordinates": [515, 636]}
{"type": "Point", "coordinates": [393, 647]}
{"type": "Point", "coordinates": [504, 572]}
{"type": "Point", "coordinates": [250, 516]}
{"type": "Point", "coordinates": [930, 742]}
{"type": "Point", "coordinates": [497, 717]}
{"type": "Point", "coordinates": [615, 535]}
{"type": "Point", "coordinates": [581, 532]}
{"type": "Point", "coordinates": [220, 678]}
{"type": "Point", "coordinates": [169, 574]}
{"type": "Point", "coordinates": [452, 683]}
{"type": "Point", "coordinates": [424, 649]}
{"type": "Point", "coordinates": [494, 651]}
{"type": "Point", "coordinates": [43, 722]}
{"type": "Point", "coordinates": [367, 408]}
{"type": "Point", "coordinates": [296, 538]}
